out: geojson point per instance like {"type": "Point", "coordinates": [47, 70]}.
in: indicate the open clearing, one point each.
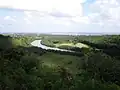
{"type": "Point", "coordinates": [79, 45]}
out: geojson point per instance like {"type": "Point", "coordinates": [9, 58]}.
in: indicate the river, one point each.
{"type": "Point", "coordinates": [37, 43]}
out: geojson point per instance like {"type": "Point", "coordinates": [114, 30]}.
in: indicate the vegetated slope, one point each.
{"type": "Point", "coordinates": [109, 44]}
{"type": "Point", "coordinates": [32, 68]}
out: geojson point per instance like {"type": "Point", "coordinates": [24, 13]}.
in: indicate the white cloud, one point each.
{"type": "Point", "coordinates": [71, 7]}
{"type": "Point", "coordinates": [46, 8]}
{"type": "Point", "coordinates": [38, 17]}
{"type": "Point", "coordinates": [43, 17]}
{"type": "Point", "coordinates": [84, 20]}
{"type": "Point", "coordinates": [9, 18]}
{"type": "Point", "coordinates": [28, 14]}
{"type": "Point", "coordinates": [106, 12]}
{"type": "Point", "coordinates": [65, 14]}
{"type": "Point", "coordinates": [61, 21]}
{"type": "Point", "coordinates": [1, 26]}
{"type": "Point", "coordinates": [6, 17]}
{"type": "Point", "coordinates": [27, 21]}
{"type": "Point", "coordinates": [14, 16]}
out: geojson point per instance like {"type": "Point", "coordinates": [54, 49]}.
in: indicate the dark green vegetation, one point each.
{"type": "Point", "coordinates": [23, 67]}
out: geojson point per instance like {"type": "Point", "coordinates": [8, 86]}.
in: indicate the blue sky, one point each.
{"type": "Point", "coordinates": [60, 16]}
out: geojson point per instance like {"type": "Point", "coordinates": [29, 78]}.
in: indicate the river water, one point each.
{"type": "Point", "coordinates": [37, 43]}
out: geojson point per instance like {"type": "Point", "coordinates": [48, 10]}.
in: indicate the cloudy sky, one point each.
{"type": "Point", "coordinates": [60, 16]}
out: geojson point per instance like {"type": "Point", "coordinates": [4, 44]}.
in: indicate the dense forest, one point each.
{"type": "Point", "coordinates": [95, 67]}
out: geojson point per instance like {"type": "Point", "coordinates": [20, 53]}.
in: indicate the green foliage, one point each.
{"type": "Point", "coordinates": [30, 68]}
{"type": "Point", "coordinates": [102, 67]}
{"type": "Point", "coordinates": [22, 41]}
{"type": "Point", "coordinates": [113, 39]}
{"type": "Point", "coordinates": [5, 42]}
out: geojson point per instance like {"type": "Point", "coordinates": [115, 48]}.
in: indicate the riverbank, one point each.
{"type": "Point", "coordinates": [37, 43]}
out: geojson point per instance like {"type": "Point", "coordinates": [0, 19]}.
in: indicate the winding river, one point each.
{"type": "Point", "coordinates": [37, 43]}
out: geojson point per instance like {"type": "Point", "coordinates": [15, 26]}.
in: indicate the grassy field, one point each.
{"type": "Point", "coordinates": [59, 39]}
{"type": "Point", "coordinates": [79, 45]}
{"type": "Point", "coordinates": [52, 60]}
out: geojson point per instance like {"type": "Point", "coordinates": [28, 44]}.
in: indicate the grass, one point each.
{"type": "Point", "coordinates": [63, 41]}
{"type": "Point", "coordinates": [79, 45]}
{"type": "Point", "coordinates": [53, 60]}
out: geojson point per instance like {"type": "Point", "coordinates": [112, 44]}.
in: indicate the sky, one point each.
{"type": "Point", "coordinates": [43, 16]}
